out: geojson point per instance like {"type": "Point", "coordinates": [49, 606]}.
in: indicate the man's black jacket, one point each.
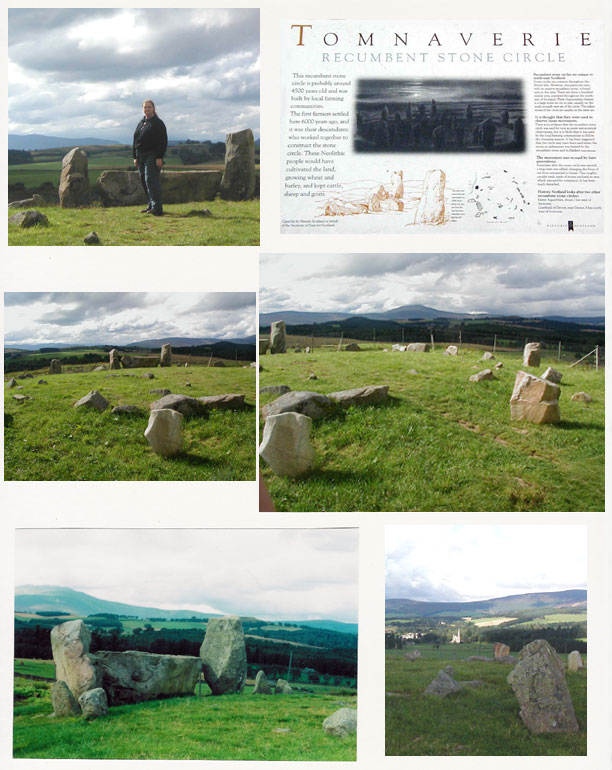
{"type": "Point", "coordinates": [151, 136]}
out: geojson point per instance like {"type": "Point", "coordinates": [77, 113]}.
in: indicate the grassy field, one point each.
{"type": "Point", "coordinates": [48, 440]}
{"type": "Point", "coordinates": [476, 722]}
{"type": "Point", "coordinates": [231, 224]}
{"type": "Point", "coordinates": [207, 727]}
{"type": "Point", "coordinates": [441, 443]}
{"type": "Point", "coordinates": [45, 669]}
{"type": "Point", "coordinates": [553, 620]}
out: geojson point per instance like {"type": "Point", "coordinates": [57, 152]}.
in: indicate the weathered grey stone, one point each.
{"type": "Point", "coordinates": [499, 365]}
{"type": "Point", "coordinates": [286, 444]}
{"type": "Point", "coordinates": [283, 687]}
{"type": "Point", "coordinates": [539, 684]}
{"type": "Point", "coordinates": [74, 665]}
{"type": "Point", "coordinates": [398, 348]}
{"type": "Point", "coordinates": [35, 200]}
{"type": "Point", "coordinates": [552, 375]}
{"type": "Point", "coordinates": [92, 239]}
{"type": "Point", "coordinates": [371, 394]}
{"type": "Point", "coordinates": [138, 362]}
{"type": "Point", "coordinates": [418, 347]}
{"type": "Point", "coordinates": [93, 400]}
{"type": "Point", "coordinates": [264, 344]}
{"type": "Point", "coordinates": [226, 401]}
{"type": "Point", "coordinates": [29, 218]}
{"type": "Point", "coordinates": [487, 356]}
{"type": "Point", "coordinates": [277, 389]}
{"type": "Point", "coordinates": [278, 342]}
{"type": "Point", "coordinates": [431, 209]}
{"type": "Point", "coordinates": [148, 376]}
{"type": "Point", "coordinates": [341, 723]}
{"type": "Point", "coordinates": [238, 182]}
{"type": "Point", "coordinates": [312, 376]}
{"type": "Point", "coordinates": [303, 401]}
{"type": "Point", "coordinates": [74, 180]}
{"type": "Point", "coordinates": [500, 650]}
{"type": "Point", "coordinates": [132, 676]}
{"type": "Point", "coordinates": [223, 655]}
{"type": "Point", "coordinates": [11, 383]}
{"type": "Point", "coordinates": [451, 350]}
{"type": "Point", "coordinates": [216, 363]}
{"type": "Point", "coordinates": [534, 399]}
{"type": "Point", "coordinates": [42, 382]}
{"type": "Point", "coordinates": [55, 367]}
{"type": "Point", "coordinates": [113, 359]}
{"type": "Point", "coordinates": [262, 686]}
{"type": "Point", "coordinates": [125, 409]}
{"type": "Point", "coordinates": [582, 396]}
{"type": "Point", "coordinates": [20, 398]}
{"type": "Point", "coordinates": [160, 392]}
{"type": "Point", "coordinates": [574, 661]}
{"type": "Point", "coordinates": [450, 671]}
{"type": "Point", "coordinates": [123, 188]}
{"type": "Point", "coordinates": [531, 354]}
{"type": "Point", "coordinates": [485, 374]}
{"type": "Point", "coordinates": [412, 656]}
{"type": "Point", "coordinates": [94, 703]}
{"type": "Point", "coordinates": [442, 686]}
{"type": "Point", "coordinates": [479, 658]}
{"type": "Point", "coordinates": [165, 356]}
{"type": "Point", "coordinates": [63, 701]}
{"type": "Point", "coordinates": [507, 659]}
{"type": "Point", "coordinates": [186, 405]}
{"type": "Point", "coordinates": [470, 684]}
{"type": "Point", "coordinates": [164, 432]}
{"type": "Point", "coordinates": [352, 347]}
{"type": "Point", "coordinates": [99, 369]}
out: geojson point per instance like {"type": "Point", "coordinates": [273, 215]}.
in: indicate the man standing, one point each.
{"type": "Point", "coordinates": [149, 148]}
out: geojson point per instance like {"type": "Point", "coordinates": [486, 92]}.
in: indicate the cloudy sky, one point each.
{"type": "Point", "coordinates": [468, 563]}
{"type": "Point", "coordinates": [518, 284]}
{"type": "Point", "coordinates": [124, 317]}
{"type": "Point", "coordinates": [77, 72]}
{"type": "Point", "coordinates": [291, 574]}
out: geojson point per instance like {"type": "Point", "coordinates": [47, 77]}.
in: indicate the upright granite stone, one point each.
{"type": "Point", "coordinates": [487, 356]}
{"type": "Point", "coordinates": [223, 655]}
{"type": "Point", "coordinates": [552, 375]}
{"type": "Point", "coordinates": [74, 665]}
{"type": "Point", "coordinates": [63, 701]}
{"type": "Point", "coordinates": [531, 354]}
{"type": "Point", "coordinates": [282, 687]}
{"type": "Point", "coordinates": [262, 686]}
{"type": "Point", "coordinates": [431, 209]}
{"type": "Point", "coordinates": [501, 650]}
{"type": "Point", "coordinates": [264, 344]}
{"type": "Point", "coordinates": [55, 367]}
{"type": "Point", "coordinates": [442, 686]}
{"type": "Point", "coordinates": [165, 357]}
{"type": "Point", "coordinates": [574, 661]}
{"type": "Point", "coordinates": [134, 676]}
{"type": "Point", "coordinates": [534, 399]}
{"type": "Point", "coordinates": [352, 347]}
{"type": "Point", "coordinates": [164, 432]}
{"type": "Point", "coordinates": [286, 446]}
{"type": "Point", "coordinates": [94, 703]}
{"type": "Point", "coordinates": [238, 182]}
{"type": "Point", "coordinates": [74, 180]}
{"type": "Point", "coordinates": [451, 350]}
{"type": "Point", "coordinates": [341, 723]}
{"type": "Point", "coordinates": [303, 401]}
{"type": "Point", "coordinates": [539, 684]}
{"type": "Point", "coordinates": [113, 360]}
{"type": "Point", "coordinates": [93, 400]}
{"type": "Point", "coordinates": [278, 343]}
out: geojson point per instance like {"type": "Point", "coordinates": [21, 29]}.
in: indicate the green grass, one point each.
{"type": "Point", "coordinates": [442, 443]}
{"type": "Point", "coordinates": [49, 440]}
{"type": "Point", "coordinates": [479, 722]}
{"type": "Point", "coordinates": [237, 727]}
{"type": "Point", "coordinates": [231, 224]}
{"type": "Point", "coordinates": [42, 668]}
{"type": "Point", "coordinates": [553, 620]}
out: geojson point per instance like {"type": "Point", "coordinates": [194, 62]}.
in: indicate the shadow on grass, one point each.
{"type": "Point", "coordinates": [578, 425]}
{"type": "Point", "coordinates": [335, 475]}
{"type": "Point", "coordinates": [196, 461]}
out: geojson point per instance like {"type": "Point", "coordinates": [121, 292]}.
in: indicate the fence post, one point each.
{"type": "Point", "coordinates": [459, 339]}
{"type": "Point", "coordinates": [559, 353]}
{"type": "Point", "coordinates": [312, 342]}
{"type": "Point", "coordinates": [597, 358]}
{"type": "Point", "coordinates": [433, 347]}
{"type": "Point", "coordinates": [340, 343]}
{"type": "Point", "coordinates": [494, 342]}
{"type": "Point", "coordinates": [402, 335]}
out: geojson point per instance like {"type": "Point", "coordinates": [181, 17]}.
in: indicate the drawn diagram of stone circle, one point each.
{"type": "Point", "coordinates": [498, 196]}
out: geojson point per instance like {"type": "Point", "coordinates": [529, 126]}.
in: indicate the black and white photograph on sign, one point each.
{"type": "Point", "coordinates": [133, 126]}
{"type": "Point", "coordinates": [432, 382]}
{"type": "Point", "coordinates": [129, 386]}
{"type": "Point", "coordinates": [439, 116]}
{"type": "Point", "coordinates": [226, 644]}
{"type": "Point", "coordinates": [486, 653]}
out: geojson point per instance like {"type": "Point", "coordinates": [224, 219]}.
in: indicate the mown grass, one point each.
{"type": "Point", "coordinates": [476, 722]}
{"type": "Point", "coordinates": [237, 727]}
{"type": "Point", "coordinates": [231, 224]}
{"type": "Point", "coordinates": [49, 440]}
{"type": "Point", "coordinates": [441, 443]}
{"type": "Point", "coordinates": [31, 667]}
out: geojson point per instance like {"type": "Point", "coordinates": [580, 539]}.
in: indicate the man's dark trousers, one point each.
{"type": "Point", "coordinates": [151, 180]}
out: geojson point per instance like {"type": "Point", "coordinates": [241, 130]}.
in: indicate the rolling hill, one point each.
{"type": "Point", "coordinates": [42, 142]}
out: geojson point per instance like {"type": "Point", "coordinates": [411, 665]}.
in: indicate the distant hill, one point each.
{"type": "Point", "coordinates": [42, 142]}
{"type": "Point", "coordinates": [328, 625]}
{"type": "Point", "coordinates": [406, 608]}
{"type": "Point", "coordinates": [185, 342]}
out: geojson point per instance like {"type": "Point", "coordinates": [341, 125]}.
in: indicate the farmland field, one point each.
{"type": "Point", "coordinates": [554, 619]}
{"type": "Point", "coordinates": [47, 439]}
{"type": "Point", "coordinates": [441, 443]}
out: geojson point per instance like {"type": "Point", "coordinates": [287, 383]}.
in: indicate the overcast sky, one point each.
{"type": "Point", "coordinates": [124, 317]}
{"type": "Point", "coordinates": [77, 72]}
{"type": "Point", "coordinates": [517, 284]}
{"type": "Point", "coordinates": [467, 563]}
{"type": "Point", "coordinates": [291, 574]}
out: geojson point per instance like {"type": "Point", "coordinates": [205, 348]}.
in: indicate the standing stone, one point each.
{"type": "Point", "coordinates": [531, 354]}
{"type": "Point", "coordinates": [74, 180]}
{"type": "Point", "coordinates": [92, 239]}
{"type": "Point", "coordinates": [238, 182]}
{"type": "Point", "coordinates": [352, 347]}
{"type": "Point", "coordinates": [55, 367]}
{"type": "Point", "coordinates": [283, 687]}
{"type": "Point", "coordinates": [418, 347]}
{"type": "Point", "coordinates": [113, 360]}
{"type": "Point", "coordinates": [262, 686]}
{"type": "Point", "coordinates": [552, 375]}
{"type": "Point", "coordinates": [341, 723]}
{"type": "Point", "coordinates": [534, 399]}
{"type": "Point", "coordinates": [63, 701]}
{"type": "Point", "coordinates": [286, 444]}
{"type": "Point", "coordinates": [442, 686]}
{"type": "Point", "coordinates": [164, 432]}
{"type": "Point", "coordinates": [539, 684]}
{"type": "Point", "coordinates": [12, 383]}
{"type": "Point", "coordinates": [263, 346]}
{"type": "Point", "coordinates": [431, 209]}
{"type": "Point", "coordinates": [574, 661]}
{"type": "Point", "coordinates": [70, 643]}
{"type": "Point", "coordinates": [451, 350]}
{"type": "Point", "coordinates": [223, 655]}
{"type": "Point", "coordinates": [165, 358]}
{"type": "Point", "coordinates": [93, 400]}
{"type": "Point", "coordinates": [487, 356]}
{"type": "Point", "coordinates": [278, 343]}
{"type": "Point", "coordinates": [501, 650]}
{"type": "Point", "coordinates": [94, 703]}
